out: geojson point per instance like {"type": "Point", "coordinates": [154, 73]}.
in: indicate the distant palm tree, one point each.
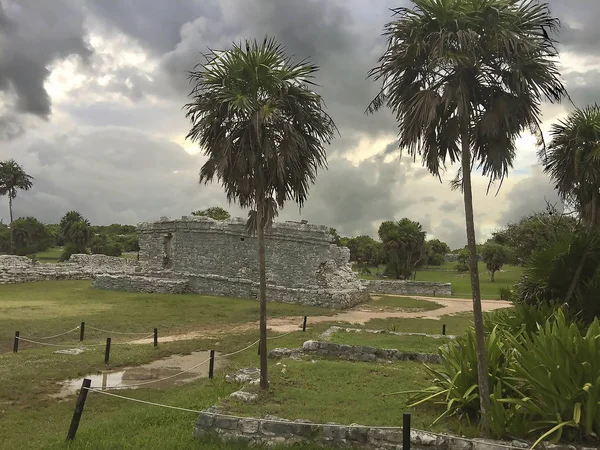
{"type": "Point", "coordinates": [464, 78]}
{"type": "Point", "coordinates": [573, 161]}
{"type": "Point", "coordinates": [263, 130]}
{"type": "Point", "coordinates": [76, 230]}
{"type": "Point", "coordinates": [13, 178]}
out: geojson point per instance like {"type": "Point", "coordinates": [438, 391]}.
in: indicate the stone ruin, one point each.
{"type": "Point", "coordinates": [202, 255]}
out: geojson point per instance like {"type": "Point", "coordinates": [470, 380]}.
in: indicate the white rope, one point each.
{"type": "Point", "coordinates": [57, 335]}
{"type": "Point", "coordinates": [143, 401]}
{"type": "Point", "coordinates": [239, 351]}
{"type": "Point", "coordinates": [115, 332]}
{"type": "Point", "coordinates": [74, 345]}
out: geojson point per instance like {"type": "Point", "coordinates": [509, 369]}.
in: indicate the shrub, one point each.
{"type": "Point", "coordinates": [68, 250]}
{"type": "Point", "coordinates": [365, 271]}
{"type": "Point", "coordinates": [505, 293]}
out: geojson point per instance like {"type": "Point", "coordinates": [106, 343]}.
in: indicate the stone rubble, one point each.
{"type": "Point", "coordinates": [244, 396]}
{"type": "Point", "coordinates": [408, 287]}
{"type": "Point", "coordinates": [249, 375]}
{"type": "Point", "coordinates": [272, 430]}
{"type": "Point", "coordinates": [21, 269]}
{"type": "Point", "coordinates": [335, 329]}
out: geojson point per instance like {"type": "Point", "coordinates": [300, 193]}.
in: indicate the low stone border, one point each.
{"type": "Point", "coordinates": [334, 329]}
{"type": "Point", "coordinates": [272, 430]}
{"type": "Point", "coordinates": [354, 353]}
{"type": "Point", "coordinates": [408, 287]}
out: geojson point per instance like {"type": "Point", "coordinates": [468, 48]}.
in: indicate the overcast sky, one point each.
{"type": "Point", "coordinates": [91, 97]}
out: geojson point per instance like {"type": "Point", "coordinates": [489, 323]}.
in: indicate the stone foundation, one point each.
{"type": "Point", "coordinates": [272, 430]}
{"type": "Point", "coordinates": [21, 269]}
{"type": "Point", "coordinates": [408, 287]}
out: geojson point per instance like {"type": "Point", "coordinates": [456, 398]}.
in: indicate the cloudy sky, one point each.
{"type": "Point", "coordinates": [91, 96]}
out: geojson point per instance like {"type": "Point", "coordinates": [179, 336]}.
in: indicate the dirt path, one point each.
{"type": "Point", "coordinates": [359, 315]}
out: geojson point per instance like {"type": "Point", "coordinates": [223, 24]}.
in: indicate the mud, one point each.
{"type": "Point", "coordinates": [156, 370]}
{"type": "Point", "coordinates": [357, 316]}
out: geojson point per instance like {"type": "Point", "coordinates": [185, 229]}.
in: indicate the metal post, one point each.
{"type": "Point", "coordinates": [156, 337]}
{"type": "Point", "coordinates": [107, 351]}
{"type": "Point", "coordinates": [16, 343]}
{"type": "Point", "coordinates": [304, 324]}
{"type": "Point", "coordinates": [444, 329]}
{"type": "Point", "coordinates": [211, 365]}
{"type": "Point", "coordinates": [406, 432]}
{"type": "Point", "coordinates": [81, 331]}
{"type": "Point", "coordinates": [78, 408]}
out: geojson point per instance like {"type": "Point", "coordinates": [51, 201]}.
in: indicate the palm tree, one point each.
{"type": "Point", "coordinates": [13, 178]}
{"type": "Point", "coordinates": [263, 130]}
{"type": "Point", "coordinates": [76, 230]}
{"type": "Point", "coordinates": [464, 78]}
{"type": "Point", "coordinates": [573, 163]}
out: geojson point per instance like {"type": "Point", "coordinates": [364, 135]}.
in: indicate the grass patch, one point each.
{"type": "Point", "coordinates": [405, 303]}
{"type": "Point", "coordinates": [455, 324]}
{"type": "Point", "coordinates": [51, 255]}
{"type": "Point", "coordinates": [52, 307]}
{"type": "Point", "coordinates": [421, 344]}
{"type": "Point", "coordinates": [461, 281]}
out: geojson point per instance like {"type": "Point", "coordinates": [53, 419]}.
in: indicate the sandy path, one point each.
{"type": "Point", "coordinates": [359, 315]}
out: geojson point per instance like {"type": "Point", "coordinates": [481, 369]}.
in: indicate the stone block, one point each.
{"type": "Point", "coordinates": [358, 434]}
{"type": "Point", "coordinates": [249, 426]}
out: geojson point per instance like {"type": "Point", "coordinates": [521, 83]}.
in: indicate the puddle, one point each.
{"type": "Point", "coordinates": [128, 377]}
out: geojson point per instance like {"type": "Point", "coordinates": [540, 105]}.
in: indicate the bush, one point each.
{"type": "Point", "coordinates": [544, 376]}
{"type": "Point", "coordinates": [365, 271]}
{"type": "Point", "coordinates": [30, 236]}
{"type": "Point", "coordinates": [505, 293]}
{"type": "Point", "coordinates": [68, 250]}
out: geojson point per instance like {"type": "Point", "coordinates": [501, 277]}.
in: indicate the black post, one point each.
{"type": "Point", "coordinates": [444, 329]}
{"type": "Point", "coordinates": [78, 409]}
{"type": "Point", "coordinates": [81, 331]}
{"type": "Point", "coordinates": [406, 432]}
{"type": "Point", "coordinates": [211, 365]}
{"type": "Point", "coordinates": [16, 344]}
{"type": "Point", "coordinates": [107, 351]}
{"type": "Point", "coordinates": [156, 337]}
{"type": "Point", "coordinates": [304, 324]}
{"type": "Point", "coordinates": [259, 348]}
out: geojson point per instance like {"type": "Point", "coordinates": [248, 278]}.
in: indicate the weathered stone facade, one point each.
{"type": "Point", "coordinates": [408, 287]}
{"type": "Point", "coordinates": [272, 430]}
{"type": "Point", "coordinates": [219, 258]}
{"type": "Point", "coordinates": [21, 269]}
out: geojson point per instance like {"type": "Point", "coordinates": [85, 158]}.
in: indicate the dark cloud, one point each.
{"type": "Point", "coordinates": [34, 34]}
{"type": "Point", "coordinates": [579, 32]}
{"type": "Point", "coordinates": [10, 127]}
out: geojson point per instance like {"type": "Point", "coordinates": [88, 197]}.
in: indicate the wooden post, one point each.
{"type": "Point", "coordinates": [81, 331]}
{"type": "Point", "coordinates": [78, 409]}
{"type": "Point", "coordinates": [406, 432]}
{"type": "Point", "coordinates": [211, 365]}
{"type": "Point", "coordinates": [156, 337]}
{"type": "Point", "coordinates": [16, 343]}
{"type": "Point", "coordinates": [107, 351]}
{"type": "Point", "coordinates": [259, 348]}
{"type": "Point", "coordinates": [444, 329]}
{"type": "Point", "coordinates": [304, 324]}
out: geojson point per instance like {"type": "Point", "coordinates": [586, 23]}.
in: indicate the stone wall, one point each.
{"type": "Point", "coordinates": [219, 258]}
{"type": "Point", "coordinates": [272, 430]}
{"type": "Point", "coordinates": [408, 287]}
{"type": "Point", "coordinates": [21, 269]}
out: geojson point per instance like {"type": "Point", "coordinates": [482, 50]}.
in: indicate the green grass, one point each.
{"type": "Point", "coordinates": [51, 255]}
{"type": "Point", "coordinates": [461, 281]}
{"type": "Point", "coordinates": [52, 307]}
{"type": "Point", "coordinates": [421, 344]}
{"type": "Point", "coordinates": [405, 303]}
{"type": "Point", "coordinates": [339, 391]}
{"type": "Point", "coordinates": [455, 324]}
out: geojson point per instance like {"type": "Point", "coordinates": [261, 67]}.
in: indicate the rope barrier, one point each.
{"type": "Point", "coordinates": [333, 425]}
{"type": "Point", "coordinates": [48, 344]}
{"type": "Point", "coordinates": [57, 335]}
{"type": "Point", "coordinates": [114, 332]}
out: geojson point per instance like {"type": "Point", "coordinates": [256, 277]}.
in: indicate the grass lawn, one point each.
{"type": "Point", "coordinates": [339, 391]}
{"type": "Point", "coordinates": [52, 307]}
{"type": "Point", "coordinates": [51, 255]}
{"type": "Point", "coordinates": [461, 281]}
{"type": "Point", "coordinates": [422, 344]}
{"type": "Point", "coordinates": [455, 324]}
{"type": "Point", "coordinates": [404, 303]}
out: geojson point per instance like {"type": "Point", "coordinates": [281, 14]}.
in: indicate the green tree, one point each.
{"type": "Point", "coordinates": [77, 232]}
{"type": "Point", "coordinates": [102, 244]}
{"type": "Point", "coordinates": [573, 161]}
{"type": "Point", "coordinates": [263, 129]}
{"type": "Point", "coordinates": [29, 236]}
{"type": "Point", "coordinates": [12, 179]}
{"type": "Point", "coordinates": [404, 244]}
{"type": "Point", "coordinates": [436, 251]}
{"type": "Point", "coordinates": [365, 250]}
{"type": "Point", "coordinates": [494, 256]}
{"type": "Point", "coordinates": [464, 78]}
{"type": "Point", "coordinates": [215, 212]}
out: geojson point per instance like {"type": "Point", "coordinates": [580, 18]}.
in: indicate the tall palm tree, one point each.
{"type": "Point", "coordinates": [573, 163]}
{"type": "Point", "coordinates": [464, 78]}
{"type": "Point", "coordinates": [13, 178]}
{"type": "Point", "coordinates": [263, 130]}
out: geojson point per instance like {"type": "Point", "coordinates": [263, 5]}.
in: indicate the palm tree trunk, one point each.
{"type": "Point", "coordinates": [482, 369]}
{"type": "Point", "coordinates": [10, 212]}
{"type": "Point", "coordinates": [264, 381]}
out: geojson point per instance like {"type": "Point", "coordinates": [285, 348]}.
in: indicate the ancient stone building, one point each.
{"type": "Point", "coordinates": [219, 258]}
